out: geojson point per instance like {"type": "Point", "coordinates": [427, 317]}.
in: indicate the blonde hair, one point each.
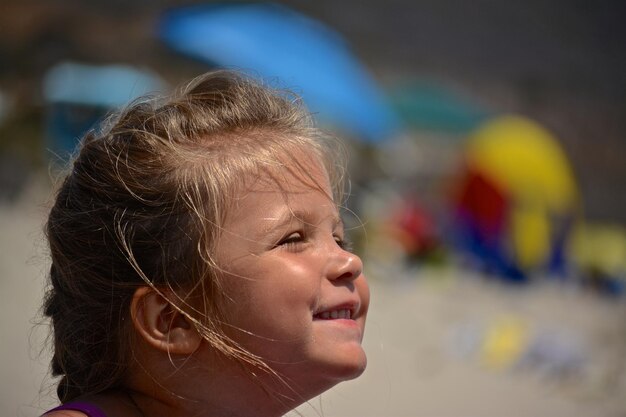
{"type": "Point", "coordinates": [143, 205]}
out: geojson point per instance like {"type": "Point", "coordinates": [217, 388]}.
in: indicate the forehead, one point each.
{"type": "Point", "coordinates": [293, 185]}
{"type": "Point", "coordinates": [295, 171]}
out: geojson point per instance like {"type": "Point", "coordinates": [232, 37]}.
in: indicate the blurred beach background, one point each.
{"type": "Point", "coordinates": [488, 184]}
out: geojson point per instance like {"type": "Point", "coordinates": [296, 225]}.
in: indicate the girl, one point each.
{"type": "Point", "coordinates": [198, 261]}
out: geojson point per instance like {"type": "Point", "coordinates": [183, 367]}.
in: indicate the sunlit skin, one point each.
{"type": "Point", "coordinates": [287, 271]}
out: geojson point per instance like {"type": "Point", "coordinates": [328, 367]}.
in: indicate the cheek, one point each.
{"type": "Point", "coordinates": [273, 300]}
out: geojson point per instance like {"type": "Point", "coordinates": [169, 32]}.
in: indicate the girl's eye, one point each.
{"type": "Point", "coordinates": [344, 243]}
{"type": "Point", "coordinates": [292, 240]}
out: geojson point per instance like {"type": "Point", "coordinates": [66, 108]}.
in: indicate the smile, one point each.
{"type": "Point", "coordinates": [344, 313]}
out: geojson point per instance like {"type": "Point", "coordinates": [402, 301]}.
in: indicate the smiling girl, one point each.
{"type": "Point", "coordinates": [199, 264]}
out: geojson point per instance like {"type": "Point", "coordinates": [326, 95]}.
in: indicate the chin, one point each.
{"type": "Point", "coordinates": [314, 376]}
{"type": "Point", "coordinates": [353, 370]}
{"type": "Point", "coordinates": [310, 384]}
{"type": "Point", "coordinates": [348, 369]}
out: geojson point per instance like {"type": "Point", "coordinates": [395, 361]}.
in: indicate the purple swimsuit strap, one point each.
{"type": "Point", "coordinates": [89, 409]}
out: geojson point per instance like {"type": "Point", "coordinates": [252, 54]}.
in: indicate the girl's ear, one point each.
{"type": "Point", "coordinates": [161, 324]}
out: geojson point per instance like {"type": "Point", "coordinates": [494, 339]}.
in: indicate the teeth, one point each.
{"type": "Point", "coordinates": [335, 314]}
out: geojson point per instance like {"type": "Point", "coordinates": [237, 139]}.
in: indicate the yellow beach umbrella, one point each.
{"type": "Point", "coordinates": [524, 159]}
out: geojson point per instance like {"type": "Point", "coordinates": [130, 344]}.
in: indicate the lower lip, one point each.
{"type": "Point", "coordinates": [341, 322]}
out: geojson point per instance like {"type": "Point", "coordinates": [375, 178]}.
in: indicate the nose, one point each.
{"type": "Point", "coordinates": [344, 265]}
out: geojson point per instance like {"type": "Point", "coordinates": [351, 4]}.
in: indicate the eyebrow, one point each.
{"type": "Point", "coordinates": [303, 216]}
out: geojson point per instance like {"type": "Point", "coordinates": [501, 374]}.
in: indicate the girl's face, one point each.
{"type": "Point", "coordinates": [294, 295]}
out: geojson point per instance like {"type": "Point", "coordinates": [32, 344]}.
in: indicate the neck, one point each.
{"type": "Point", "coordinates": [222, 391]}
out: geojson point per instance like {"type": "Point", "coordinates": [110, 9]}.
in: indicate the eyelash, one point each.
{"type": "Point", "coordinates": [345, 243]}
{"type": "Point", "coordinates": [292, 240]}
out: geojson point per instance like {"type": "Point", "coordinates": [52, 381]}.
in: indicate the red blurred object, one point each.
{"type": "Point", "coordinates": [484, 203]}
{"type": "Point", "coordinates": [414, 228]}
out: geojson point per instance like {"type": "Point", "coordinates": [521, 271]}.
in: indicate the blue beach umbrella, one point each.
{"type": "Point", "coordinates": [78, 96]}
{"type": "Point", "coordinates": [271, 42]}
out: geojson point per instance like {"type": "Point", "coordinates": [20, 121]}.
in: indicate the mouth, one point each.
{"type": "Point", "coordinates": [336, 313]}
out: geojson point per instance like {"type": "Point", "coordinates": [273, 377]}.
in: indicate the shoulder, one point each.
{"type": "Point", "coordinates": [65, 413]}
